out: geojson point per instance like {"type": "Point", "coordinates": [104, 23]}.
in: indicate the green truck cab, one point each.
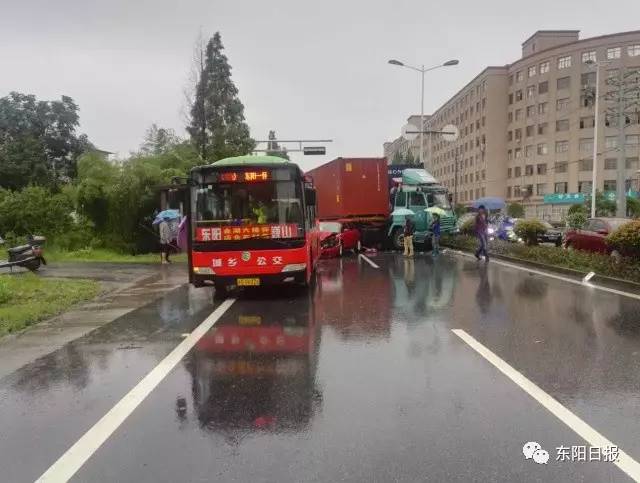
{"type": "Point", "coordinates": [419, 190]}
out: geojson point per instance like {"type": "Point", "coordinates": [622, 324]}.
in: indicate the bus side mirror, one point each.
{"type": "Point", "coordinates": [310, 196]}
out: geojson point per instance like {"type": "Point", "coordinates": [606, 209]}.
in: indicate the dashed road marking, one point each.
{"type": "Point", "coordinates": [76, 456]}
{"type": "Point", "coordinates": [625, 462]}
{"type": "Point", "coordinates": [368, 260]}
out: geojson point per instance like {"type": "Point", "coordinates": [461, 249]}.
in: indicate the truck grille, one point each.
{"type": "Point", "coordinates": [447, 224]}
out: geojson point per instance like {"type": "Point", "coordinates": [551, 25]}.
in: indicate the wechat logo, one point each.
{"type": "Point", "coordinates": [534, 451]}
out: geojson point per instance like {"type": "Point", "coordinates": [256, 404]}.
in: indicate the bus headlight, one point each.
{"type": "Point", "coordinates": [203, 271]}
{"type": "Point", "coordinates": [294, 267]}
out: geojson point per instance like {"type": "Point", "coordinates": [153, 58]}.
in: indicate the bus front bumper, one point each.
{"type": "Point", "coordinates": [253, 280]}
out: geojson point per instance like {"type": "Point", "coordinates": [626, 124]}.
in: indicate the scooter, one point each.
{"type": "Point", "coordinates": [28, 256]}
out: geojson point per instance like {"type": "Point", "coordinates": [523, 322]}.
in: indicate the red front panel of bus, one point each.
{"type": "Point", "coordinates": [250, 262]}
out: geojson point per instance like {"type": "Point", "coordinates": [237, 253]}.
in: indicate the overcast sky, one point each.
{"type": "Point", "coordinates": [305, 69]}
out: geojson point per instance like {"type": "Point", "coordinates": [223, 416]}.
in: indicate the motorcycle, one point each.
{"type": "Point", "coordinates": [29, 256]}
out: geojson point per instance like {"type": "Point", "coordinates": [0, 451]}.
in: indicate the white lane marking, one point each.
{"type": "Point", "coordinates": [557, 277]}
{"type": "Point", "coordinates": [368, 260]}
{"type": "Point", "coordinates": [625, 462]}
{"type": "Point", "coordinates": [76, 456]}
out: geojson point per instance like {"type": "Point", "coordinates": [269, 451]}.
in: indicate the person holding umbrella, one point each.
{"type": "Point", "coordinates": [481, 233]}
{"type": "Point", "coordinates": [409, 230]}
{"type": "Point", "coordinates": [164, 220]}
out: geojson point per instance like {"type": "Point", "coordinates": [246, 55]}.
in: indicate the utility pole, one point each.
{"type": "Point", "coordinates": [455, 181]}
{"type": "Point", "coordinates": [621, 205]}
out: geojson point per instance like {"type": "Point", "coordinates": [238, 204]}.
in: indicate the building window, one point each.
{"type": "Point", "coordinates": [543, 87]}
{"type": "Point", "coordinates": [611, 141]}
{"type": "Point", "coordinates": [584, 186]}
{"type": "Point", "coordinates": [585, 145]}
{"type": "Point", "coordinates": [563, 83]}
{"type": "Point", "coordinates": [518, 95]}
{"type": "Point", "coordinates": [560, 187]}
{"type": "Point", "coordinates": [561, 167]}
{"type": "Point", "coordinates": [542, 108]}
{"type": "Point", "coordinates": [510, 116]}
{"type": "Point", "coordinates": [516, 191]}
{"type": "Point", "coordinates": [564, 62]}
{"type": "Point", "coordinates": [528, 150]}
{"type": "Point", "coordinates": [562, 104]}
{"type": "Point", "coordinates": [519, 76]}
{"type": "Point", "coordinates": [484, 175]}
{"type": "Point", "coordinates": [528, 170]}
{"type": "Point", "coordinates": [517, 171]}
{"type": "Point", "coordinates": [510, 98]}
{"type": "Point", "coordinates": [562, 146]}
{"type": "Point", "coordinates": [610, 163]}
{"type": "Point", "coordinates": [631, 163]}
{"type": "Point", "coordinates": [518, 114]}
{"type": "Point", "coordinates": [509, 155]}
{"type": "Point", "coordinates": [508, 172]}
{"type": "Point", "coordinates": [517, 134]}
{"type": "Point", "coordinates": [530, 130]}
{"type": "Point", "coordinates": [531, 111]}
{"type": "Point", "coordinates": [484, 102]}
{"type": "Point", "coordinates": [610, 185]}
{"type": "Point", "coordinates": [613, 73]}
{"type": "Point", "coordinates": [541, 169]}
{"type": "Point", "coordinates": [508, 191]}
{"type": "Point", "coordinates": [482, 191]}
{"type": "Point", "coordinates": [614, 53]}
{"type": "Point", "coordinates": [541, 189]}
{"type": "Point", "coordinates": [531, 71]}
{"type": "Point", "coordinates": [585, 165]}
{"type": "Point", "coordinates": [531, 91]}
{"type": "Point", "coordinates": [633, 50]}
{"type": "Point", "coordinates": [542, 149]}
{"type": "Point", "coordinates": [588, 79]}
{"type": "Point", "coordinates": [587, 122]}
{"type": "Point", "coordinates": [511, 80]}
{"type": "Point", "coordinates": [482, 121]}
{"type": "Point", "coordinates": [562, 125]}
{"type": "Point", "coordinates": [632, 140]}
{"type": "Point", "coordinates": [589, 56]}
{"type": "Point", "coordinates": [544, 67]}
{"type": "Point", "coordinates": [587, 99]}
{"type": "Point", "coordinates": [543, 128]}
{"type": "Point", "coordinates": [518, 153]}
{"type": "Point", "coordinates": [509, 135]}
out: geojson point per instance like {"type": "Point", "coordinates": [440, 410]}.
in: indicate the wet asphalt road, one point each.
{"type": "Point", "coordinates": [359, 379]}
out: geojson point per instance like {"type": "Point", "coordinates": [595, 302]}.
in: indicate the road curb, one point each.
{"type": "Point", "coordinates": [611, 282]}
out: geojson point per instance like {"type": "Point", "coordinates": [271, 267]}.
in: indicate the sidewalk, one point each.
{"type": "Point", "coordinates": [124, 287]}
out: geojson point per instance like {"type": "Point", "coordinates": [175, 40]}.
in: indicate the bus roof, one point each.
{"type": "Point", "coordinates": [251, 160]}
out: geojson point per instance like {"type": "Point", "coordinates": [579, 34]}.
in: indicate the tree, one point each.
{"type": "Point", "coordinates": [38, 140]}
{"type": "Point", "coordinates": [217, 126]}
{"type": "Point", "coordinates": [409, 159]}
{"type": "Point", "coordinates": [158, 140]}
{"type": "Point", "coordinates": [274, 149]}
{"type": "Point", "coordinates": [577, 208]}
{"type": "Point", "coordinates": [397, 158]}
{"type": "Point", "coordinates": [633, 207]}
{"type": "Point", "coordinates": [515, 210]}
{"type": "Point", "coordinates": [604, 206]}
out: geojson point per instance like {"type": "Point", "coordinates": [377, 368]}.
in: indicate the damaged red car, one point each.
{"type": "Point", "coordinates": [336, 237]}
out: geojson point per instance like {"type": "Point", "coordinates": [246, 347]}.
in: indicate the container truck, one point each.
{"type": "Point", "coordinates": [357, 191]}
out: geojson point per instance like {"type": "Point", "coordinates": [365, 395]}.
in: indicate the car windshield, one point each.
{"type": "Point", "coordinates": [331, 226]}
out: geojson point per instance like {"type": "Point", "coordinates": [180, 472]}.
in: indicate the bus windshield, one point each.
{"type": "Point", "coordinates": [272, 203]}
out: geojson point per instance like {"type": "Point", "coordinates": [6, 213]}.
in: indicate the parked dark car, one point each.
{"type": "Point", "coordinates": [593, 235]}
{"type": "Point", "coordinates": [551, 235]}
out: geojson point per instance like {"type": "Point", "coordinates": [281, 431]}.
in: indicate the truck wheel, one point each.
{"type": "Point", "coordinates": [397, 239]}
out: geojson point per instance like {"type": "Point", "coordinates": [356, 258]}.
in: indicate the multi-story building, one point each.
{"type": "Point", "coordinates": [527, 128]}
{"type": "Point", "coordinates": [400, 146]}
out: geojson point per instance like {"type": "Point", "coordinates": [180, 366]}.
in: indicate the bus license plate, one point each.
{"type": "Point", "coordinates": [248, 282]}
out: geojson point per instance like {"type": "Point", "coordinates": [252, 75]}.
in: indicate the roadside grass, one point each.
{"type": "Point", "coordinates": [105, 255]}
{"type": "Point", "coordinates": [27, 298]}
{"type": "Point", "coordinates": [583, 261]}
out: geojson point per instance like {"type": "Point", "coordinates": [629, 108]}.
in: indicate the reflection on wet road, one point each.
{"type": "Point", "coordinates": [359, 379]}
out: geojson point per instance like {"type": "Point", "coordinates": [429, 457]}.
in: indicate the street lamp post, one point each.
{"type": "Point", "coordinates": [594, 167]}
{"type": "Point", "coordinates": [422, 71]}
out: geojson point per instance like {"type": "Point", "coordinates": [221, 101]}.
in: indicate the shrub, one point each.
{"type": "Point", "coordinates": [626, 239]}
{"type": "Point", "coordinates": [577, 219]}
{"type": "Point", "coordinates": [515, 210]}
{"type": "Point", "coordinates": [529, 230]}
{"type": "Point", "coordinates": [467, 227]}
{"type": "Point", "coordinates": [577, 209]}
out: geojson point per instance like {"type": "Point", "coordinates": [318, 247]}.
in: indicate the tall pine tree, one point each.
{"type": "Point", "coordinates": [217, 126]}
